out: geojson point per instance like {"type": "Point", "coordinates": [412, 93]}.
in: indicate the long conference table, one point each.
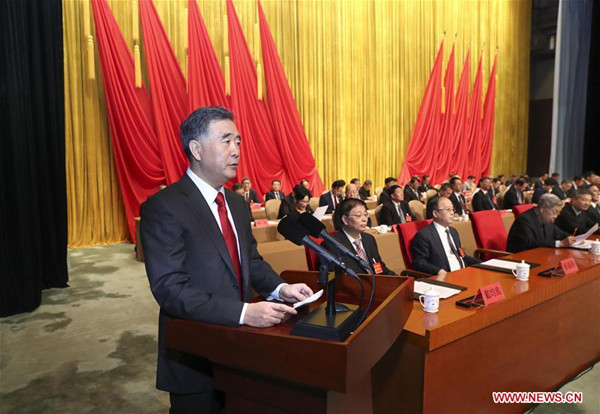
{"type": "Point", "coordinates": [544, 332]}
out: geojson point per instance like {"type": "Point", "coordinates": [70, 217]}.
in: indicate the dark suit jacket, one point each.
{"type": "Point", "coordinates": [526, 233]}
{"type": "Point", "coordinates": [428, 251]}
{"type": "Point", "coordinates": [482, 201]}
{"type": "Point", "coordinates": [568, 221]}
{"type": "Point", "coordinates": [288, 208]}
{"type": "Point", "coordinates": [424, 188]}
{"type": "Point", "coordinates": [271, 195]}
{"type": "Point", "coordinates": [594, 213]}
{"type": "Point", "coordinates": [364, 194]}
{"type": "Point", "coordinates": [456, 203]}
{"type": "Point", "coordinates": [191, 273]}
{"type": "Point", "coordinates": [511, 198]}
{"type": "Point", "coordinates": [572, 192]}
{"type": "Point", "coordinates": [409, 194]}
{"type": "Point", "coordinates": [537, 194]}
{"type": "Point", "coordinates": [252, 195]}
{"type": "Point", "coordinates": [389, 214]}
{"type": "Point", "coordinates": [326, 200]}
{"type": "Point", "coordinates": [370, 246]}
{"type": "Point", "coordinates": [557, 191]}
{"type": "Point", "coordinates": [384, 196]}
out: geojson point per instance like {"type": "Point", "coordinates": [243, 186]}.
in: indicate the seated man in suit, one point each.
{"type": "Point", "coordinates": [535, 227]}
{"type": "Point", "coordinates": [353, 215]}
{"type": "Point", "coordinates": [496, 186]}
{"type": "Point", "coordinates": [249, 193]}
{"type": "Point", "coordinates": [411, 191]}
{"type": "Point", "coordinates": [588, 178]}
{"type": "Point", "coordinates": [594, 210]}
{"type": "Point", "coordinates": [574, 217]}
{"type": "Point", "coordinates": [575, 185]}
{"type": "Point", "coordinates": [514, 195]}
{"type": "Point", "coordinates": [333, 197]}
{"type": "Point", "coordinates": [396, 210]}
{"type": "Point", "coordinates": [556, 177]}
{"type": "Point", "coordinates": [274, 193]}
{"type": "Point", "coordinates": [436, 249]}
{"type": "Point", "coordinates": [239, 188]}
{"type": "Point", "coordinates": [385, 194]}
{"type": "Point", "coordinates": [365, 191]}
{"type": "Point", "coordinates": [546, 187]}
{"type": "Point", "coordinates": [458, 200]}
{"type": "Point", "coordinates": [562, 190]}
{"type": "Point", "coordinates": [295, 204]}
{"type": "Point", "coordinates": [484, 198]}
{"type": "Point", "coordinates": [425, 186]}
{"type": "Point", "coordinates": [538, 182]}
{"type": "Point", "coordinates": [201, 257]}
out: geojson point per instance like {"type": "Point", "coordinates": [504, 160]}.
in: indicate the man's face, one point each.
{"type": "Point", "coordinates": [496, 184]}
{"type": "Point", "coordinates": [368, 186]}
{"type": "Point", "coordinates": [240, 191]}
{"type": "Point", "coordinates": [336, 191]}
{"type": "Point", "coordinates": [351, 191]}
{"type": "Point", "coordinates": [247, 184]}
{"type": "Point", "coordinates": [548, 215]}
{"type": "Point", "coordinates": [218, 155]}
{"type": "Point", "coordinates": [276, 185]}
{"type": "Point", "coordinates": [579, 183]}
{"type": "Point", "coordinates": [305, 184]}
{"type": "Point", "coordinates": [426, 180]}
{"type": "Point", "coordinates": [544, 177]}
{"type": "Point", "coordinates": [456, 186]}
{"type": "Point", "coordinates": [398, 195]}
{"type": "Point", "coordinates": [444, 215]}
{"type": "Point", "coordinates": [445, 193]}
{"type": "Point", "coordinates": [595, 193]}
{"type": "Point", "coordinates": [486, 184]}
{"type": "Point", "coordinates": [520, 187]}
{"type": "Point", "coordinates": [582, 202]}
{"type": "Point", "coordinates": [566, 186]}
{"type": "Point", "coordinates": [356, 220]}
{"type": "Point", "coordinates": [415, 185]}
{"type": "Point", "coordinates": [547, 188]}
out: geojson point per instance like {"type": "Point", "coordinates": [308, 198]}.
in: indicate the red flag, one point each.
{"type": "Point", "coordinates": [473, 165]}
{"type": "Point", "coordinates": [290, 136]}
{"type": "Point", "coordinates": [487, 127]}
{"type": "Point", "coordinates": [421, 155]}
{"type": "Point", "coordinates": [445, 162]}
{"type": "Point", "coordinates": [460, 143]}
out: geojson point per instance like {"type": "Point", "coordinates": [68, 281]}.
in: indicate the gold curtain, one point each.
{"type": "Point", "coordinates": [357, 69]}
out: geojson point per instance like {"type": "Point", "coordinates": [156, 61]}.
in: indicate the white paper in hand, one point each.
{"type": "Point", "coordinates": [320, 212]}
{"type": "Point", "coordinates": [310, 299]}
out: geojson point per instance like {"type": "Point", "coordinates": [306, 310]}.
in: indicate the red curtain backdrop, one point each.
{"type": "Point", "coordinates": [135, 146]}
{"type": "Point", "coordinates": [260, 159]}
{"type": "Point", "coordinates": [421, 155]}
{"type": "Point", "coordinates": [206, 84]}
{"type": "Point", "coordinates": [169, 96]}
{"type": "Point", "coordinates": [473, 161]}
{"type": "Point", "coordinates": [461, 109]}
{"type": "Point", "coordinates": [445, 162]}
{"type": "Point", "coordinates": [289, 132]}
{"type": "Point", "coordinates": [487, 129]}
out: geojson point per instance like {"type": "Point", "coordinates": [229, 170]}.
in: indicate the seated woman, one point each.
{"type": "Point", "coordinates": [353, 215]}
{"type": "Point", "coordinates": [295, 204]}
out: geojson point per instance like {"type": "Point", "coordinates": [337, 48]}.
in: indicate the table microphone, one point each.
{"type": "Point", "coordinates": [317, 229]}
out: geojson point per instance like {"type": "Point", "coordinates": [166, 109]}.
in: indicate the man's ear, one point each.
{"type": "Point", "coordinates": [195, 149]}
{"type": "Point", "coordinates": [345, 220]}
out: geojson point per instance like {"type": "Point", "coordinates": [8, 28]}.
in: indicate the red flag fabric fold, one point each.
{"type": "Point", "coordinates": [473, 162]}
{"type": "Point", "coordinates": [487, 128]}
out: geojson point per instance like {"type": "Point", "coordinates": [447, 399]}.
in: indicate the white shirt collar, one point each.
{"type": "Point", "coordinates": [439, 227]}
{"type": "Point", "coordinates": [208, 192]}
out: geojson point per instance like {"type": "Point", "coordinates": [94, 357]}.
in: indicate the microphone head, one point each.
{"type": "Point", "coordinates": [291, 230]}
{"type": "Point", "coordinates": [311, 224]}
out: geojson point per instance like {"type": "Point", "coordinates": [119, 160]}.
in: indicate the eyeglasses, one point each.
{"type": "Point", "coordinates": [359, 215]}
{"type": "Point", "coordinates": [451, 210]}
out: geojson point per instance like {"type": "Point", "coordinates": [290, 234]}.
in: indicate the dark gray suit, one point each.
{"type": "Point", "coordinates": [370, 246]}
{"type": "Point", "coordinates": [191, 273]}
{"type": "Point", "coordinates": [526, 233]}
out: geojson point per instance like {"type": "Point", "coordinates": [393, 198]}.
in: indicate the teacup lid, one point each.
{"type": "Point", "coordinates": [432, 292]}
{"type": "Point", "coordinates": [523, 264]}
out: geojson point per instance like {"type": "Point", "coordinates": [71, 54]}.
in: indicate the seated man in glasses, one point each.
{"type": "Point", "coordinates": [436, 249]}
{"type": "Point", "coordinates": [353, 215]}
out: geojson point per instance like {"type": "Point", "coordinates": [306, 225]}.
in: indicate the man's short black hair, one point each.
{"type": "Point", "coordinates": [390, 180]}
{"type": "Point", "coordinates": [554, 174]}
{"type": "Point", "coordinates": [582, 191]}
{"type": "Point", "coordinates": [520, 181]}
{"type": "Point", "coordinates": [414, 180]}
{"type": "Point", "coordinates": [550, 181]}
{"type": "Point", "coordinates": [471, 177]}
{"type": "Point", "coordinates": [483, 178]}
{"type": "Point", "coordinates": [394, 188]}
{"type": "Point", "coordinates": [275, 181]}
{"type": "Point", "coordinates": [445, 187]}
{"type": "Point", "coordinates": [454, 180]}
{"type": "Point", "coordinates": [236, 186]}
{"type": "Point", "coordinates": [196, 124]}
{"type": "Point", "coordinates": [246, 179]}
{"type": "Point", "coordinates": [588, 174]}
{"type": "Point", "coordinates": [355, 181]}
{"type": "Point", "coordinates": [338, 184]}
{"type": "Point", "coordinates": [426, 176]}
{"type": "Point", "coordinates": [368, 182]}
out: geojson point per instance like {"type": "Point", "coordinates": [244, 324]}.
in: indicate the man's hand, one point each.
{"type": "Point", "coordinates": [295, 293]}
{"type": "Point", "coordinates": [567, 241]}
{"type": "Point", "coordinates": [264, 314]}
{"type": "Point", "coordinates": [442, 272]}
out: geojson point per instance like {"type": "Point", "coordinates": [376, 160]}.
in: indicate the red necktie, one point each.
{"type": "Point", "coordinates": [230, 239]}
{"type": "Point", "coordinates": [361, 253]}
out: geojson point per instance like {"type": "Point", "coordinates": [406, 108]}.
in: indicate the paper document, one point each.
{"type": "Point", "coordinates": [309, 300]}
{"type": "Point", "coordinates": [582, 237]}
{"type": "Point", "coordinates": [502, 264]}
{"type": "Point", "coordinates": [445, 292]}
{"type": "Point", "coordinates": [320, 212]}
{"type": "Point", "coordinates": [583, 245]}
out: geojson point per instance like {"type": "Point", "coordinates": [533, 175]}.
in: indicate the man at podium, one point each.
{"type": "Point", "coordinates": [201, 258]}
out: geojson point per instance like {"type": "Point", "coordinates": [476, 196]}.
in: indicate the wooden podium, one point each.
{"type": "Point", "coordinates": [270, 371]}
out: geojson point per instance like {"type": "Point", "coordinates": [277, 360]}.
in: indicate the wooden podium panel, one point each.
{"type": "Point", "coordinates": [542, 334]}
{"type": "Point", "coordinates": [269, 370]}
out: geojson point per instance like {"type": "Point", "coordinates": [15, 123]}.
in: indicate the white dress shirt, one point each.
{"type": "Point", "coordinates": [452, 259]}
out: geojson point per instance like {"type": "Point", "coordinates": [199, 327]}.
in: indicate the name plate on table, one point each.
{"type": "Point", "coordinates": [566, 267]}
{"type": "Point", "coordinates": [489, 294]}
{"type": "Point", "coordinates": [261, 223]}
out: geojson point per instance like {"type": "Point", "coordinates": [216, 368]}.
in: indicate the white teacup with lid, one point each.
{"type": "Point", "coordinates": [430, 300]}
{"type": "Point", "coordinates": [521, 271]}
{"type": "Point", "coordinates": [595, 247]}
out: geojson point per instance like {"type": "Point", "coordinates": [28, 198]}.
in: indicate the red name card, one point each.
{"type": "Point", "coordinates": [566, 267]}
{"type": "Point", "coordinates": [261, 223]}
{"type": "Point", "coordinates": [489, 294]}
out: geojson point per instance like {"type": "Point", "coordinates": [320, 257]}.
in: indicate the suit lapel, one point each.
{"type": "Point", "coordinates": [199, 208]}
{"type": "Point", "coordinates": [439, 246]}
